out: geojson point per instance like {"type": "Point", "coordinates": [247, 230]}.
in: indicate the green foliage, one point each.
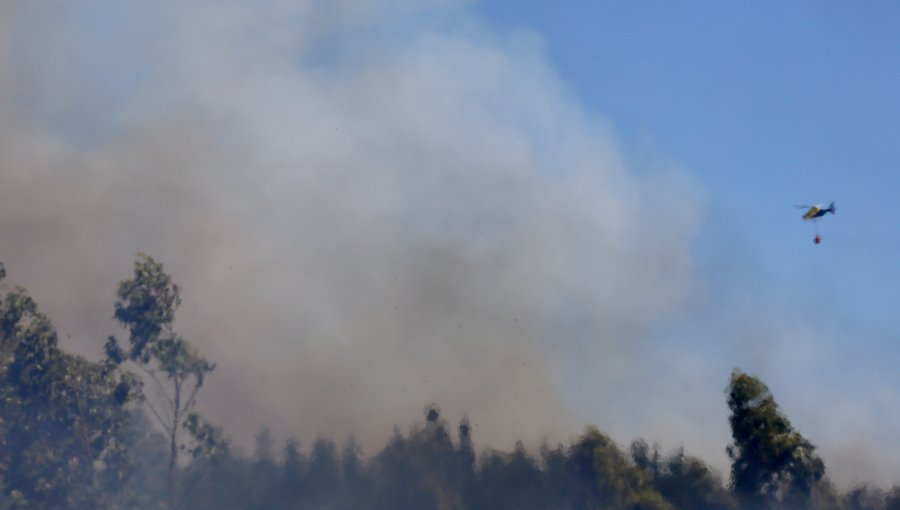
{"type": "Point", "coordinates": [772, 465]}
{"type": "Point", "coordinates": [500, 472]}
{"type": "Point", "coordinates": [207, 441]}
{"type": "Point", "coordinates": [688, 483]}
{"type": "Point", "coordinates": [421, 471]}
{"type": "Point", "coordinates": [73, 435]}
{"type": "Point", "coordinates": [63, 419]}
{"type": "Point", "coordinates": [146, 305]}
{"type": "Point", "coordinates": [608, 479]}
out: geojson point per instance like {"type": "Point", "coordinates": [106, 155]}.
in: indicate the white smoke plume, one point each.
{"type": "Point", "coordinates": [369, 205]}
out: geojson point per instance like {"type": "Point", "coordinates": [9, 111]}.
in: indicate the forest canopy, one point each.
{"type": "Point", "coordinates": [122, 432]}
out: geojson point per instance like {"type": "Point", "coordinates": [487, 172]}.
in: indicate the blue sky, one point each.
{"type": "Point", "coordinates": [541, 214]}
{"type": "Point", "coordinates": [767, 104]}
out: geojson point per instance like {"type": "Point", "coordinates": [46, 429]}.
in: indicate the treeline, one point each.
{"type": "Point", "coordinates": [122, 433]}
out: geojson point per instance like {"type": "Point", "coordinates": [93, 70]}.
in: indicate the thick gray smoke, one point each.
{"type": "Point", "coordinates": [365, 217]}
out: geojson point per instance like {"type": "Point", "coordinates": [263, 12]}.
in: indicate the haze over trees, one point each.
{"type": "Point", "coordinates": [121, 433]}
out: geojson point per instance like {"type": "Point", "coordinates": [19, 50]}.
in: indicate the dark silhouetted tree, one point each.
{"type": "Point", "coordinates": [510, 481]}
{"type": "Point", "coordinates": [864, 498]}
{"type": "Point", "coordinates": [893, 499]}
{"type": "Point", "coordinates": [688, 483]}
{"type": "Point", "coordinates": [291, 483]}
{"type": "Point", "coordinates": [354, 475]}
{"type": "Point", "coordinates": [558, 486]}
{"type": "Point", "coordinates": [323, 478]}
{"type": "Point", "coordinates": [465, 460]}
{"type": "Point", "coordinates": [771, 463]}
{"type": "Point", "coordinates": [606, 479]}
{"type": "Point", "coordinates": [417, 472]}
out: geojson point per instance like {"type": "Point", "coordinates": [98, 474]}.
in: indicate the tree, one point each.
{"type": "Point", "coordinates": [146, 305]}
{"type": "Point", "coordinates": [418, 471]}
{"type": "Point", "coordinates": [771, 463]}
{"type": "Point", "coordinates": [510, 481]}
{"type": "Point", "coordinates": [354, 474]}
{"type": "Point", "coordinates": [63, 419]}
{"type": "Point", "coordinates": [688, 483]}
{"type": "Point", "coordinates": [465, 460]}
{"type": "Point", "coordinates": [893, 499]}
{"type": "Point", "coordinates": [606, 479]}
{"type": "Point", "coordinates": [323, 478]}
{"type": "Point", "coordinates": [291, 483]}
{"type": "Point", "coordinates": [864, 498]}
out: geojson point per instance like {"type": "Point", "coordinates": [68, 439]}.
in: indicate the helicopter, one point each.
{"type": "Point", "coordinates": [813, 213]}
